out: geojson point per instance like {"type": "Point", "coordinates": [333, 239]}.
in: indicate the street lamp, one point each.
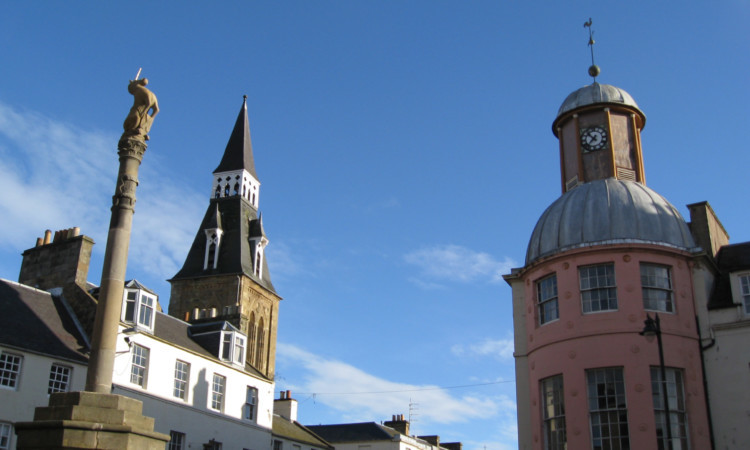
{"type": "Point", "coordinates": [652, 327]}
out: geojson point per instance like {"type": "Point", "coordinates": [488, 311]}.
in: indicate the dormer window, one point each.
{"type": "Point", "coordinates": [745, 292]}
{"type": "Point", "coordinates": [213, 239]}
{"type": "Point", "coordinates": [233, 346]}
{"type": "Point", "coordinates": [258, 262]}
{"type": "Point", "coordinates": [138, 308]}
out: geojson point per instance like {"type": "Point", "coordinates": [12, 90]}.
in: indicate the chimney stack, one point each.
{"type": "Point", "coordinates": [285, 406]}
{"type": "Point", "coordinates": [61, 262]}
{"type": "Point", "coordinates": [398, 423]}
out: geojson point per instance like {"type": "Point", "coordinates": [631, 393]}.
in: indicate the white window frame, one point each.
{"type": "Point", "coordinates": [176, 441]}
{"type": "Point", "coordinates": [593, 285]}
{"type": "Point", "coordinates": [233, 347]}
{"type": "Point", "coordinates": [218, 392]}
{"type": "Point", "coordinates": [59, 378]}
{"type": "Point", "coordinates": [11, 366]}
{"type": "Point", "coordinates": [249, 411]}
{"type": "Point", "coordinates": [652, 282]}
{"type": "Point", "coordinates": [6, 435]}
{"type": "Point", "coordinates": [677, 407]}
{"type": "Point", "coordinates": [213, 241]}
{"type": "Point", "coordinates": [139, 365]}
{"type": "Point", "coordinates": [744, 281]}
{"type": "Point", "coordinates": [139, 308]}
{"type": "Point", "coordinates": [546, 295]}
{"type": "Point", "coordinates": [553, 412]}
{"type": "Point", "coordinates": [609, 416]}
{"type": "Point", "coordinates": [181, 379]}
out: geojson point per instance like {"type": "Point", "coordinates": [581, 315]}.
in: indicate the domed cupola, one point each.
{"type": "Point", "coordinates": [597, 94]}
{"type": "Point", "coordinates": [608, 211]}
{"type": "Point", "coordinates": [599, 128]}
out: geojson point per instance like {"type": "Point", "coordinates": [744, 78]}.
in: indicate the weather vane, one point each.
{"type": "Point", "coordinates": [594, 70]}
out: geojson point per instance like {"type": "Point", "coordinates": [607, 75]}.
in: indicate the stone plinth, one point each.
{"type": "Point", "coordinates": [90, 420]}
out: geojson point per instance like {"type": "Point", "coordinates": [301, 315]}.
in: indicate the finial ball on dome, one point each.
{"type": "Point", "coordinates": [594, 70]}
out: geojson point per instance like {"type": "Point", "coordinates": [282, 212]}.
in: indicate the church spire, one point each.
{"type": "Point", "coordinates": [235, 175]}
{"type": "Point", "coordinates": [239, 152]}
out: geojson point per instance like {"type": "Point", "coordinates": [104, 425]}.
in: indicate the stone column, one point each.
{"type": "Point", "coordinates": [98, 419]}
{"type": "Point", "coordinates": [101, 364]}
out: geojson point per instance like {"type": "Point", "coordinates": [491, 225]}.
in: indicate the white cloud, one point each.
{"type": "Point", "coordinates": [55, 175]}
{"type": "Point", "coordinates": [457, 263]}
{"type": "Point", "coordinates": [499, 348]}
{"type": "Point", "coordinates": [360, 396]}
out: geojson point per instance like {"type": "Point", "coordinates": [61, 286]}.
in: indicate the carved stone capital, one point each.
{"type": "Point", "coordinates": [132, 147]}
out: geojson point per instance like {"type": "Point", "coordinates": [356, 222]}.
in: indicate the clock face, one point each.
{"type": "Point", "coordinates": [594, 138]}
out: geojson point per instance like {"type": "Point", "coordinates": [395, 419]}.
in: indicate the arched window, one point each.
{"type": "Point", "coordinates": [211, 264]}
{"type": "Point", "coordinates": [236, 189]}
{"type": "Point", "coordinates": [261, 344]}
{"type": "Point", "coordinates": [251, 335]}
{"type": "Point", "coordinates": [258, 261]}
{"type": "Point", "coordinates": [217, 194]}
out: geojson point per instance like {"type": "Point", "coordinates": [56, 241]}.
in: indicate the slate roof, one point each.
{"type": "Point", "coordinates": [354, 432]}
{"type": "Point", "coordinates": [239, 151]}
{"type": "Point", "coordinates": [734, 257]}
{"type": "Point", "coordinates": [235, 253]}
{"type": "Point", "coordinates": [39, 322]}
{"type": "Point", "coordinates": [730, 258]}
{"type": "Point", "coordinates": [177, 332]}
{"type": "Point", "coordinates": [297, 432]}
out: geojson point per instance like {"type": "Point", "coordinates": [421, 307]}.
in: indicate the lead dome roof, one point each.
{"type": "Point", "coordinates": [608, 211]}
{"type": "Point", "coordinates": [596, 94]}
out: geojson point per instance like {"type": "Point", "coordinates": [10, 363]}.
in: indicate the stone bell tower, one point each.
{"type": "Point", "coordinates": [225, 275]}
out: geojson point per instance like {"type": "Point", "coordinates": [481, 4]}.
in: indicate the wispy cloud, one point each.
{"type": "Point", "coordinates": [497, 348]}
{"type": "Point", "coordinates": [361, 396]}
{"type": "Point", "coordinates": [457, 263]}
{"type": "Point", "coordinates": [54, 175]}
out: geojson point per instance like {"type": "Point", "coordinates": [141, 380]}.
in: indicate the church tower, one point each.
{"type": "Point", "coordinates": [225, 275]}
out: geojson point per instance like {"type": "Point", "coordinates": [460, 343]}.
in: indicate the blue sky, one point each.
{"type": "Point", "coordinates": [404, 150]}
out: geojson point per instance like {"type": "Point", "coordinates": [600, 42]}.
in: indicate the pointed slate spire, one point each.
{"type": "Point", "coordinates": [215, 220]}
{"type": "Point", "coordinates": [239, 152]}
{"type": "Point", "coordinates": [256, 227]}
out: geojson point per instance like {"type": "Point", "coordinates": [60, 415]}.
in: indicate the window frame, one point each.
{"type": "Point", "coordinates": [552, 394]}
{"type": "Point", "coordinates": [251, 404]}
{"type": "Point", "coordinates": [176, 444]}
{"type": "Point", "coordinates": [744, 285]}
{"type": "Point", "coordinates": [59, 381]}
{"type": "Point", "coordinates": [677, 409]}
{"type": "Point", "coordinates": [233, 347]}
{"type": "Point", "coordinates": [587, 300]}
{"type": "Point", "coordinates": [181, 379]}
{"type": "Point", "coordinates": [218, 395]}
{"type": "Point", "coordinates": [10, 371]}
{"type": "Point", "coordinates": [600, 417]}
{"type": "Point", "coordinates": [544, 302]}
{"type": "Point", "coordinates": [6, 434]}
{"type": "Point", "coordinates": [139, 365]}
{"type": "Point", "coordinates": [139, 308]}
{"type": "Point", "coordinates": [669, 304]}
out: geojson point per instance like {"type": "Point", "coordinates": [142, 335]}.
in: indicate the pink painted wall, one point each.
{"type": "Point", "coordinates": [576, 342]}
